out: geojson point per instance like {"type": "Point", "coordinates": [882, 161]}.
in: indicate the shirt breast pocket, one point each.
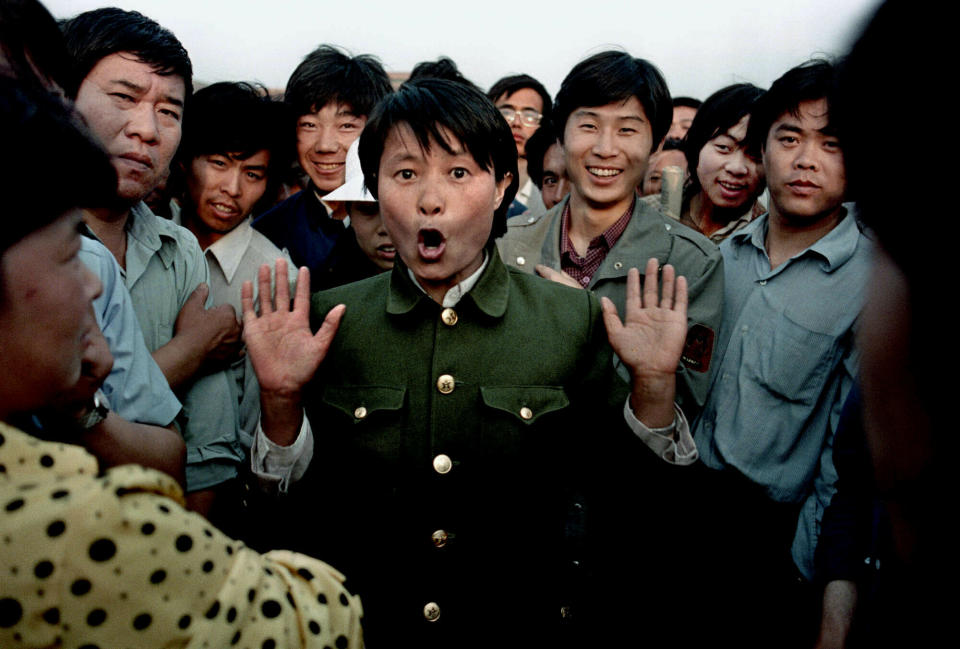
{"type": "Point", "coordinates": [795, 363]}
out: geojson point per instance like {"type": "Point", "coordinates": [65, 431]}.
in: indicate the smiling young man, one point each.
{"type": "Point", "coordinates": [613, 110]}
{"type": "Point", "coordinates": [131, 80]}
{"type": "Point", "coordinates": [785, 361]}
{"type": "Point", "coordinates": [330, 94]}
{"type": "Point", "coordinates": [460, 401]}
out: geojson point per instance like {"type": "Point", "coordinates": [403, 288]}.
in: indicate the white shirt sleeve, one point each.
{"type": "Point", "coordinates": [673, 444]}
{"type": "Point", "coordinates": [277, 466]}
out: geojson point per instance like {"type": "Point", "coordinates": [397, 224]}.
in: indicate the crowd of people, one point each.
{"type": "Point", "coordinates": [439, 366]}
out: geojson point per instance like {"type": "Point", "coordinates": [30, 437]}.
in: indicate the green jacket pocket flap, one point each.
{"type": "Point", "coordinates": [526, 402]}
{"type": "Point", "coordinates": [361, 401]}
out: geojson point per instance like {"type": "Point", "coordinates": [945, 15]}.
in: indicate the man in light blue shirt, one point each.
{"type": "Point", "coordinates": [132, 80]}
{"type": "Point", "coordinates": [783, 365]}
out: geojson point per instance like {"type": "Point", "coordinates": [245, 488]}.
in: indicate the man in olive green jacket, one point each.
{"type": "Point", "coordinates": [649, 233]}
{"type": "Point", "coordinates": [612, 111]}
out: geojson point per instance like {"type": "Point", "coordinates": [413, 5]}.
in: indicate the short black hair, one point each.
{"type": "Point", "coordinates": [672, 144]}
{"type": "Point", "coordinates": [722, 110]}
{"type": "Point", "coordinates": [94, 35]}
{"type": "Point", "coordinates": [509, 85]}
{"type": "Point", "coordinates": [442, 68]}
{"type": "Point", "coordinates": [31, 43]}
{"type": "Point", "coordinates": [815, 79]}
{"type": "Point", "coordinates": [614, 76]}
{"type": "Point", "coordinates": [426, 106]}
{"type": "Point", "coordinates": [240, 119]}
{"type": "Point", "coordinates": [327, 74]}
{"type": "Point", "coordinates": [536, 147]}
{"type": "Point", "coordinates": [31, 125]}
{"type": "Point", "coordinates": [688, 102]}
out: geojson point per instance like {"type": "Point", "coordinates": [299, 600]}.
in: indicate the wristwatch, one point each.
{"type": "Point", "coordinates": [95, 412]}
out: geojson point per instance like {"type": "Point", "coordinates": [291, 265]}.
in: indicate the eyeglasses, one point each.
{"type": "Point", "coordinates": [527, 116]}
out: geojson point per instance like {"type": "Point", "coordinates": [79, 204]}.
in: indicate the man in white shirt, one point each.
{"type": "Point", "coordinates": [230, 158]}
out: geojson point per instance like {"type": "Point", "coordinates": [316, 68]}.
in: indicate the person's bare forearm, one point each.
{"type": "Point", "coordinates": [281, 416]}
{"type": "Point", "coordinates": [839, 604]}
{"type": "Point", "coordinates": [116, 441]}
{"type": "Point", "coordinates": [651, 400]}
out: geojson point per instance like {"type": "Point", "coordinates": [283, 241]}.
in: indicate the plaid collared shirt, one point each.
{"type": "Point", "coordinates": [580, 268]}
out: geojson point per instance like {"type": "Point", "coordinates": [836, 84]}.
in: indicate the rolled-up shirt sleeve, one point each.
{"type": "Point", "coordinates": [673, 444]}
{"type": "Point", "coordinates": [277, 467]}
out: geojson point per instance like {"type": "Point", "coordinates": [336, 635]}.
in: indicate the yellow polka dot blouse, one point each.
{"type": "Point", "coordinates": [114, 561]}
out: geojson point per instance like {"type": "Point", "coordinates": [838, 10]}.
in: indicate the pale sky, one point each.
{"type": "Point", "coordinates": [699, 45]}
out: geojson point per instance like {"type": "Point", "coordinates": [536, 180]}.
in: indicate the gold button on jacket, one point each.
{"type": "Point", "coordinates": [445, 384]}
{"type": "Point", "coordinates": [442, 464]}
{"type": "Point", "coordinates": [431, 612]}
{"type": "Point", "coordinates": [449, 317]}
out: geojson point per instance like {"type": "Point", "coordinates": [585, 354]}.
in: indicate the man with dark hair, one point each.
{"type": "Point", "coordinates": [231, 155]}
{"type": "Point", "coordinates": [613, 110]}
{"type": "Point", "coordinates": [95, 35]}
{"type": "Point", "coordinates": [524, 103]}
{"type": "Point", "coordinates": [95, 556]}
{"type": "Point", "coordinates": [785, 362]}
{"type": "Point", "coordinates": [545, 165]}
{"type": "Point", "coordinates": [684, 110]}
{"type": "Point", "coordinates": [454, 399]}
{"type": "Point", "coordinates": [330, 95]}
{"type": "Point", "coordinates": [443, 68]}
{"type": "Point", "coordinates": [132, 80]}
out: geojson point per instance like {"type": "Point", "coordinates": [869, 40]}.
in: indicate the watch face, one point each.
{"type": "Point", "coordinates": [97, 412]}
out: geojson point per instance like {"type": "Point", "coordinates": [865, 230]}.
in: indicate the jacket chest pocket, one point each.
{"type": "Point", "coordinates": [364, 418]}
{"type": "Point", "coordinates": [517, 416]}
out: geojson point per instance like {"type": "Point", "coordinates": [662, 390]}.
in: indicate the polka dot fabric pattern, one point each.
{"type": "Point", "coordinates": [114, 560]}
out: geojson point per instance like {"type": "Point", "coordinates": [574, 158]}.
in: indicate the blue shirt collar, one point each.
{"type": "Point", "coordinates": [836, 247]}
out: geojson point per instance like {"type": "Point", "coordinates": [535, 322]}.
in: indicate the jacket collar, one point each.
{"type": "Point", "coordinates": [489, 294]}
{"type": "Point", "coordinates": [647, 228]}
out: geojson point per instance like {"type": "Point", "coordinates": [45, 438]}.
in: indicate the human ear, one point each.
{"type": "Point", "coordinates": [501, 188]}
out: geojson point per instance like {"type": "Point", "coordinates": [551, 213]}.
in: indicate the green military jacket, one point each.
{"type": "Point", "coordinates": [536, 240]}
{"type": "Point", "coordinates": [456, 450]}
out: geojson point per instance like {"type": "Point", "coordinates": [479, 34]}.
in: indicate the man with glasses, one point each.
{"type": "Point", "coordinates": [524, 103]}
